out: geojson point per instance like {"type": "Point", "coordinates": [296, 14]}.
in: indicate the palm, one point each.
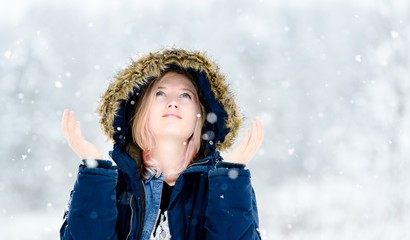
{"type": "Point", "coordinates": [72, 132]}
{"type": "Point", "coordinates": [248, 146]}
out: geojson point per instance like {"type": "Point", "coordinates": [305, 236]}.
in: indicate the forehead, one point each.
{"type": "Point", "coordinates": [172, 79]}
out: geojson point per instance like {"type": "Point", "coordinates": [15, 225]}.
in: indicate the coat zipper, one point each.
{"type": "Point", "coordinates": [156, 219]}
{"type": "Point", "coordinates": [194, 164]}
{"type": "Point", "coordinates": [142, 210]}
{"type": "Point", "coordinates": [132, 196]}
{"type": "Point", "coordinates": [132, 214]}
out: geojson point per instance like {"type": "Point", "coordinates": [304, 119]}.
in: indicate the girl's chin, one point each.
{"type": "Point", "coordinates": [172, 135]}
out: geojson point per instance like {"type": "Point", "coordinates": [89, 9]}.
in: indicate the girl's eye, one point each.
{"type": "Point", "coordinates": [159, 93]}
{"type": "Point", "coordinates": [186, 95]}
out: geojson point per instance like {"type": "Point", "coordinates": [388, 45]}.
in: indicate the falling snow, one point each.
{"type": "Point", "coordinates": [336, 93]}
{"type": "Point", "coordinates": [394, 34]}
{"type": "Point", "coordinates": [233, 174]}
{"type": "Point", "coordinates": [93, 215]}
{"type": "Point", "coordinates": [91, 163]}
{"type": "Point", "coordinates": [211, 117]}
{"type": "Point", "coordinates": [208, 135]}
{"type": "Point", "coordinates": [7, 54]}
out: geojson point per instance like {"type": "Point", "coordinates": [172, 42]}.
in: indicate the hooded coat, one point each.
{"type": "Point", "coordinates": [211, 199]}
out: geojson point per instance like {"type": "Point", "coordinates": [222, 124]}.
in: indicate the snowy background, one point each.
{"type": "Point", "coordinates": [329, 79]}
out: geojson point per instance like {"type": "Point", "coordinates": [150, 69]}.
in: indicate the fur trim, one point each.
{"type": "Point", "coordinates": [147, 67]}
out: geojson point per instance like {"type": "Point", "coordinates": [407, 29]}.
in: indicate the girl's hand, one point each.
{"type": "Point", "coordinates": [72, 132]}
{"type": "Point", "coordinates": [249, 145]}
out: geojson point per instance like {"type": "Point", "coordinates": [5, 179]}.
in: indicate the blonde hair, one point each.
{"type": "Point", "coordinates": [143, 137]}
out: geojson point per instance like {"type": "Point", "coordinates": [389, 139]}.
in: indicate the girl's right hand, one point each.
{"type": "Point", "coordinates": [72, 132]}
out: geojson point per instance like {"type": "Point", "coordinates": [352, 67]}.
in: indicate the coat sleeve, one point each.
{"type": "Point", "coordinates": [91, 211]}
{"type": "Point", "coordinates": [231, 212]}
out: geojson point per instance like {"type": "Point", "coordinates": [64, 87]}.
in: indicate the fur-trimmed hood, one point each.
{"type": "Point", "coordinates": [223, 120]}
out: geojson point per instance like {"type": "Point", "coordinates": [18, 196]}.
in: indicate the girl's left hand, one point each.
{"type": "Point", "coordinates": [249, 145]}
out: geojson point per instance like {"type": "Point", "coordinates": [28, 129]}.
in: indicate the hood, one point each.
{"type": "Point", "coordinates": [223, 121]}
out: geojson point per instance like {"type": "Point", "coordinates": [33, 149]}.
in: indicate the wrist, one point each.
{"type": "Point", "coordinates": [97, 163]}
{"type": "Point", "coordinates": [226, 164]}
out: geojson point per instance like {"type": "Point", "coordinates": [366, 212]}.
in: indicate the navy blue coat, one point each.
{"type": "Point", "coordinates": [211, 199]}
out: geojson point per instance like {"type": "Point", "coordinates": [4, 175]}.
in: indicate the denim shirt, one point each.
{"type": "Point", "coordinates": [153, 191]}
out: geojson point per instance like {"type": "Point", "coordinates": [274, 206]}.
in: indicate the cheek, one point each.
{"type": "Point", "coordinates": [155, 107]}
{"type": "Point", "coordinates": [153, 114]}
{"type": "Point", "coordinates": [193, 115]}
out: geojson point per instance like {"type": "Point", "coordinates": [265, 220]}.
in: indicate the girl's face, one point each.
{"type": "Point", "coordinates": [173, 113]}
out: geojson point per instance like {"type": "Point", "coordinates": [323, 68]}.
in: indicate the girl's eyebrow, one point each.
{"type": "Point", "coordinates": [186, 89]}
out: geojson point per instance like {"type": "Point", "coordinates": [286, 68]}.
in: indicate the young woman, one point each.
{"type": "Point", "coordinates": [169, 114]}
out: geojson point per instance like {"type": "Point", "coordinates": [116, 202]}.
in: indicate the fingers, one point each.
{"type": "Point", "coordinates": [77, 129]}
{"type": "Point", "coordinates": [71, 119]}
{"type": "Point", "coordinates": [259, 133]}
{"type": "Point", "coordinates": [64, 123]}
{"type": "Point", "coordinates": [70, 128]}
{"type": "Point", "coordinates": [245, 140]}
{"type": "Point", "coordinates": [262, 131]}
{"type": "Point", "coordinates": [256, 138]}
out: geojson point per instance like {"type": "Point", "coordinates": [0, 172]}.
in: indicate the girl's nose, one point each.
{"type": "Point", "coordinates": [173, 104]}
